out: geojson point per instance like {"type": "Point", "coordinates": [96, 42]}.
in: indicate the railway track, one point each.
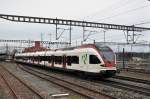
{"type": "Point", "coordinates": [14, 95]}
{"type": "Point", "coordinates": [19, 89]}
{"type": "Point", "coordinates": [7, 92]}
{"type": "Point", "coordinates": [124, 86]}
{"type": "Point", "coordinates": [77, 88]}
{"type": "Point", "coordinates": [144, 71]}
{"type": "Point", "coordinates": [132, 79]}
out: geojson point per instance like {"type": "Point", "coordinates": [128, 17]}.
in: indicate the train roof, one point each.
{"type": "Point", "coordinates": [83, 46]}
{"type": "Point", "coordinates": [61, 51]}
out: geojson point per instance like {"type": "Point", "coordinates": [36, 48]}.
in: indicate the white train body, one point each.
{"type": "Point", "coordinates": [86, 58]}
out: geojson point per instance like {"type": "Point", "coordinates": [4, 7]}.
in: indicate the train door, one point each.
{"type": "Point", "coordinates": [33, 59]}
{"type": "Point", "coordinates": [64, 61]}
{"type": "Point", "coordinates": [38, 57]}
{"type": "Point", "coordinates": [53, 59]}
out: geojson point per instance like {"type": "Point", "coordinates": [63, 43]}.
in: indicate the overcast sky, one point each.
{"type": "Point", "coordinates": [126, 12]}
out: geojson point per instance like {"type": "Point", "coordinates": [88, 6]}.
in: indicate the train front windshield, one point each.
{"type": "Point", "coordinates": [107, 53]}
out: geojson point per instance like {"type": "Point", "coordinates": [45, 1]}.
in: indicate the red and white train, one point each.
{"type": "Point", "coordinates": [88, 59]}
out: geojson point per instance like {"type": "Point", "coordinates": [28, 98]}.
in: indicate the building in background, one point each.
{"type": "Point", "coordinates": [36, 47]}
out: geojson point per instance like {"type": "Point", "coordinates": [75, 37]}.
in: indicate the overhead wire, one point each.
{"type": "Point", "coordinates": [140, 20]}
{"type": "Point", "coordinates": [125, 12]}
{"type": "Point", "coordinates": [142, 23]}
{"type": "Point", "coordinates": [118, 7]}
{"type": "Point", "coordinates": [131, 11]}
{"type": "Point", "coordinates": [115, 7]}
{"type": "Point", "coordinates": [100, 37]}
{"type": "Point", "coordinates": [121, 13]}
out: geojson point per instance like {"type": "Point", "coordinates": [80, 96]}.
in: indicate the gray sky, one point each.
{"type": "Point", "coordinates": [126, 12]}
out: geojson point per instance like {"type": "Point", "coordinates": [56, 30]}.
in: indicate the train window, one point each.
{"type": "Point", "coordinates": [52, 58]}
{"type": "Point", "coordinates": [29, 58]}
{"type": "Point", "coordinates": [44, 58]}
{"type": "Point", "coordinates": [55, 59]}
{"type": "Point", "coordinates": [69, 60]}
{"type": "Point", "coordinates": [32, 58]}
{"type": "Point", "coordinates": [39, 59]}
{"type": "Point", "coordinates": [75, 59]}
{"type": "Point", "coordinates": [58, 59]}
{"type": "Point", "coordinates": [18, 57]}
{"type": "Point", "coordinates": [49, 59]}
{"type": "Point", "coordinates": [94, 59]}
{"type": "Point", "coordinates": [36, 58]}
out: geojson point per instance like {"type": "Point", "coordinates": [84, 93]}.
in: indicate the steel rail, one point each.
{"type": "Point", "coordinates": [128, 87]}
{"type": "Point", "coordinates": [26, 85]}
{"type": "Point", "coordinates": [137, 89]}
{"type": "Point", "coordinates": [15, 95]}
{"type": "Point", "coordinates": [89, 93]}
{"type": "Point", "coordinates": [125, 87]}
{"type": "Point", "coordinates": [132, 79]}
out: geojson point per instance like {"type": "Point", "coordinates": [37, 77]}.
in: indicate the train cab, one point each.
{"type": "Point", "coordinates": [108, 57]}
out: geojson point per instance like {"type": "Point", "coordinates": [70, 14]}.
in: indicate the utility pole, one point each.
{"type": "Point", "coordinates": [63, 31]}
{"type": "Point", "coordinates": [123, 58]}
{"type": "Point", "coordinates": [94, 41]}
{"type": "Point", "coordinates": [56, 28]}
{"type": "Point", "coordinates": [127, 37]}
{"type": "Point", "coordinates": [133, 38]}
{"type": "Point", "coordinates": [133, 35]}
{"type": "Point", "coordinates": [104, 36]}
{"type": "Point", "coordinates": [7, 49]}
{"type": "Point", "coordinates": [70, 34]}
{"type": "Point", "coordinates": [50, 39]}
{"type": "Point", "coordinates": [83, 34]}
{"type": "Point", "coordinates": [41, 38]}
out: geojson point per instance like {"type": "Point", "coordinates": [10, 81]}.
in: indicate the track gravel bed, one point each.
{"type": "Point", "coordinates": [126, 85]}
{"type": "Point", "coordinates": [46, 88]}
{"type": "Point", "coordinates": [18, 88]}
{"type": "Point", "coordinates": [5, 92]}
{"type": "Point", "coordinates": [102, 88]}
{"type": "Point", "coordinates": [85, 91]}
{"type": "Point", "coordinates": [136, 80]}
{"type": "Point", "coordinates": [134, 75]}
{"type": "Point", "coordinates": [109, 90]}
